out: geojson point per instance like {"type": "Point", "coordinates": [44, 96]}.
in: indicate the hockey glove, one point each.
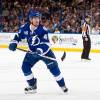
{"type": "Point", "coordinates": [39, 51]}
{"type": "Point", "coordinates": [12, 46]}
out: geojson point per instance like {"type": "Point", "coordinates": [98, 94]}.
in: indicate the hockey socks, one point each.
{"type": "Point", "coordinates": [61, 84]}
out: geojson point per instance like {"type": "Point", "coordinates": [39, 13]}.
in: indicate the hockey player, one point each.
{"type": "Point", "coordinates": [86, 40]}
{"type": "Point", "coordinates": [38, 42]}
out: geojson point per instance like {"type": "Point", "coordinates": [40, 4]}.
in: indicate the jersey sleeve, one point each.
{"type": "Point", "coordinates": [44, 44]}
{"type": "Point", "coordinates": [45, 36]}
{"type": "Point", "coordinates": [20, 35]}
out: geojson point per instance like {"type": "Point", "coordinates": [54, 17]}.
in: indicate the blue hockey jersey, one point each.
{"type": "Point", "coordinates": [36, 39]}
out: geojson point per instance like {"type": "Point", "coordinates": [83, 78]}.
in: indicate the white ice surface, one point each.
{"type": "Point", "coordinates": [82, 78]}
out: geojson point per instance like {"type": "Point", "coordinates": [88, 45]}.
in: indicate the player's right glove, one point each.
{"type": "Point", "coordinates": [13, 45]}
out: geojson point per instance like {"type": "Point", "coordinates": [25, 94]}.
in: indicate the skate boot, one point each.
{"type": "Point", "coordinates": [65, 90]}
{"type": "Point", "coordinates": [31, 89]}
{"type": "Point", "coordinates": [85, 59]}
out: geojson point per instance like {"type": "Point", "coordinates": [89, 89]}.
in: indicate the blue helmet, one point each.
{"type": "Point", "coordinates": [33, 13]}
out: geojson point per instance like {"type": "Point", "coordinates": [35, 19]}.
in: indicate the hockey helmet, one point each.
{"type": "Point", "coordinates": [33, 13]}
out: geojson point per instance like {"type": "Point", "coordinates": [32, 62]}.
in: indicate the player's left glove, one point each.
{"type": "Point", "coordinates": [39, 51]}
{"type": "Point", "coordinates": [42, 49]}
{"type": "Point", "coordinates": [30, 53]}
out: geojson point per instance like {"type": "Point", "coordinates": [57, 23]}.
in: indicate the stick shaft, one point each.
{"type": "Point", "coordinates": [38, 54]}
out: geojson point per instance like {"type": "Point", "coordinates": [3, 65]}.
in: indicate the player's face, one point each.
{"type": "Point", "coordinates": [35, 21]}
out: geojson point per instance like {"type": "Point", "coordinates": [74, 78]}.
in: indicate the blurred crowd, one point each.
{"type": "Point", "coordinates": [58, 16]}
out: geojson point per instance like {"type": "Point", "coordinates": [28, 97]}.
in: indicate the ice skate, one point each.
{"type": "Point", "coordinates": [65, 90]}
{"type": "Point", "coordinates": [85, 59]}
{"type": "Point", "coordinates": [31, 89]}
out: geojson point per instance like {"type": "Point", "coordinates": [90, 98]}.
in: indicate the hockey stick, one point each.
{"type": "Point", "coordinates": [38, 54]}
{"type": "Point", "coordinates": [62, 58]}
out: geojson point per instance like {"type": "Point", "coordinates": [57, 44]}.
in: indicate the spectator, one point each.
{"type": "Point", "coordinates": [96, 29]}
{"type": "Point", "coordinates": [56, 31]}
{"type": "Point", "coordinates": [64, 15]}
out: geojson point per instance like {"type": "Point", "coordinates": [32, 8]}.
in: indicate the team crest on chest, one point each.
{"type": "Point", "coordinates": [26, 32]}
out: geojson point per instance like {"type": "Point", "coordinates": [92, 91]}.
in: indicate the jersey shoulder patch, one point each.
{"type": "Point", "coordinates": [24, 25]}
{"type": "Point", "coordinates": [23, 28]}
{"type": "Point", "coordinates": [45, 28]}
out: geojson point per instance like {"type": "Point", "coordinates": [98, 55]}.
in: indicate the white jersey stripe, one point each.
{"type": "Point", "coordinates": [29, 77]}
{"type": "Point", "coordinates": [59, 77]}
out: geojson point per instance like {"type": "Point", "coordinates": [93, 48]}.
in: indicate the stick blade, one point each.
{"type": "Point", "coordinates": [63, 56]}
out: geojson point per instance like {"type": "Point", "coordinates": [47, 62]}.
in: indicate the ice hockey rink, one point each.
{"type": "Point", "coordinates": [82, 77]}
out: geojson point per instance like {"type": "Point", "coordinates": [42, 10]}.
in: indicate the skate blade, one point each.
{"type": "Point", "coordinates": [66, 93]}
{"type": "Point", "coordinates": [85, 60]}
{"type": "Point", "coordinates": [31, 92]}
